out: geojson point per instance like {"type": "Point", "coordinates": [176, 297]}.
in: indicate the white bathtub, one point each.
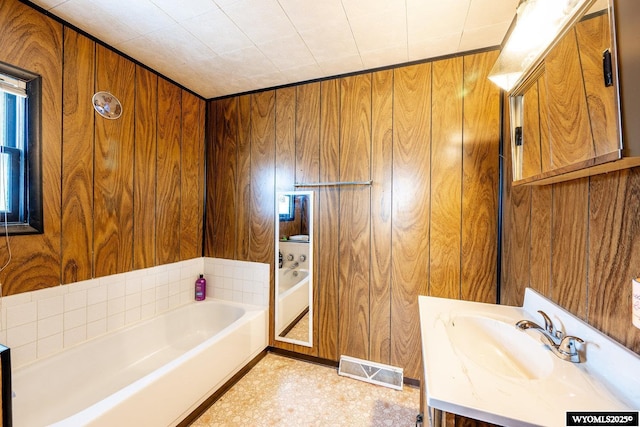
{"type": "Point", "coordinates": [153, 373]}
{"type": "Point", "coordinates": [293, 297]}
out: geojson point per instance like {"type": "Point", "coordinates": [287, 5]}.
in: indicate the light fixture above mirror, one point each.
{"type": "Point", "coordinates": [539, 23]}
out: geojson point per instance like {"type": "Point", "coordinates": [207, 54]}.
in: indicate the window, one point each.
{"type": "Point", "coordinates": [286, 207]}
{"type": "Point", "coordinates": [20, 164]}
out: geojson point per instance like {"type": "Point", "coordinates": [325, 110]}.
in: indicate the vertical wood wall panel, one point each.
{"type": "Point", "coordinates": [614, 255]}
{"type": "Point", "coordinates": [566, 104]}
{"type": "Point", "coordinates": [569, 236]}
{"type": "Point", "coordinates": [285, 177]}
{"type": "Point", "coordinates": [113, 189]}
{"type": "Point", "coordinates": [263, 140]}
{"type": "Point", "coordinates": [381, 194]}
{"type": "Point", "coordinates": [285, 138]}
{"type": "Point", "coordinates": [243, 183]}
{"type": "Point", "coordinates": [446, 178]}
{"type": "Point", "coordinates": [262, 201]}
{"type": "Point", "coordinates": [540, 235]}
{"type": "Point", "coordinates": [517, 244]}
{"type": "Point", "coordinates": [307, 167]}
{"type": "Point", "coordinates": [169, 173]}
{"type": "Point", "coordinates": [286, 152]}
{"type": "Point", "coordinates": [531, 154]}
{"type": "Point", "coordinates": [191, 173]}
{"type": "Point", "coordinates": [326, 294]}
{"type": "Point", "coordinates": [307, 135]}
{"type": "Point", "coordinates": [144, 180]}
{"type": "Point", "coordinates": [481, 136]}
{"type": "Point", "coordinates": [355, 216]}
{"type": "Point", "coordinates": [410, 229]}
{"type": "Point", "coordinates": [77, 158]}
{"type": "Point", "coordinates": [213, 131]}
{"type": "Point", "coordinates": [545, 138]}
{"type": "Point", "coordinates": [222, 180]}
{"type": "Point", "coordinates": [594, 37]}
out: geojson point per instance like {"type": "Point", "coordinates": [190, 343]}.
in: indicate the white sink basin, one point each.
{"type": "Point", "coordinates": [479, 365]}
{"type": "Point", "coordinates": [499, 347]}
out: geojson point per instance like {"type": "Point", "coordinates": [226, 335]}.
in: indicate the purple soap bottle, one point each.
{"type": "Point", "coordinates": [201, 288]}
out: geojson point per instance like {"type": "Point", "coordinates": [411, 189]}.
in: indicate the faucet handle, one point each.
{"type": "Point", "coordinates": [567, 347]}
{"type": "Point", "coordinates": [549, 327]}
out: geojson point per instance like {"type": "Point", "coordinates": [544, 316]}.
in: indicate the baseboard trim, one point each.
{"type": "Point", "coordinates": [304, 357]}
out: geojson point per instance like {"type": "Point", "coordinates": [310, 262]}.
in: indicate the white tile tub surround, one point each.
{"type": "Point", "coordinates": [238, 281]}
{"type": "Point", "coordinates": [39, 323]}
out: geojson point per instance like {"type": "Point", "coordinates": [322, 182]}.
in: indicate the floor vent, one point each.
{"type": "Point", "coordinates": [371, 372]}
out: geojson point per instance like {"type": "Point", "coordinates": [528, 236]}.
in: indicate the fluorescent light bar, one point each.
{"type": "Point", "coordinates": [539, 23]}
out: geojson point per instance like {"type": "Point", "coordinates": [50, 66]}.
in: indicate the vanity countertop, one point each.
{"type": "Point", "coordinates": [479, 365]}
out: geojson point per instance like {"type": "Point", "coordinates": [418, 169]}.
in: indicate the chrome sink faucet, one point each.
{"type": "Point", "coordinates": [563, 346]}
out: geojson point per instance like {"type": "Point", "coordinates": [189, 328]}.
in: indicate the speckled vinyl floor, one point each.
{"type": "Point", "coordinates": [280, 391]}
{"type": "Point", "coordinates": [300, 331]}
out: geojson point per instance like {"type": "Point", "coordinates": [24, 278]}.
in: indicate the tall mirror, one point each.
{"type": "Point", "coordinates": [294, 259]}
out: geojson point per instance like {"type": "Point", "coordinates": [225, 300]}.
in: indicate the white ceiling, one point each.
{"type": "Point", "coordinates": [223, 47]}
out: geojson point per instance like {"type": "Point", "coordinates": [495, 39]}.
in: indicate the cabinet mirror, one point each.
{"type": "Point", "coordinates": [564, 116]}
{"type": "Point", "coordinates": [294, 272]}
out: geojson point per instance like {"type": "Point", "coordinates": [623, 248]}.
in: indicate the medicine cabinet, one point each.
{"type": "Point", "coordinates": [575, 114]}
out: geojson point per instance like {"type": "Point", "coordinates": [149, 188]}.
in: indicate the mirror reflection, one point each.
{"type": "Point", "coordinates": [294, 258]}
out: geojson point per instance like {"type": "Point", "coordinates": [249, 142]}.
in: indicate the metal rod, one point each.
{"type": "Point", "coordinates": [328, 184]}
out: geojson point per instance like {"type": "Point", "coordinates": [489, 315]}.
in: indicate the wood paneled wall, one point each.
{"type": "Point", "coordinates": [118, 194]}
{"type": "Point", "coordinates": [427, 135]}
{"type": "Point", "coordinates": [577, 243]}
{"type": "Point", "coordinates": [33, 42]}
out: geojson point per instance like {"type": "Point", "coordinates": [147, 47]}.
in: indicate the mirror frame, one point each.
{"type": "Point", "coordinates": [277, 307]}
